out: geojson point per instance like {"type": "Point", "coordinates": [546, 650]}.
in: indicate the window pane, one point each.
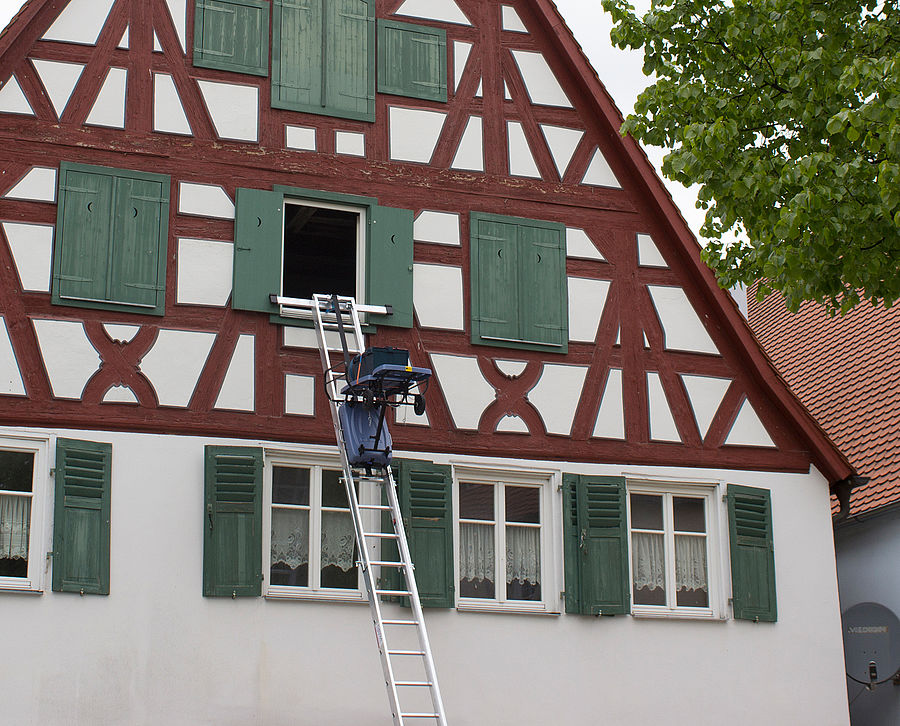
{"type": "Point", "coordinates": [16, 471]}
{"type": "Point", "coordinates": [476, 501]}
{"type": "Point", "coordinates": [689, 514]}
{"type": "Point", "coordinates": [319, 251]}
{"type": "Point", "coordinates": [476, 560]}
{"type": "Point", "coordinates": [15, 527]}
{"type": "Point", "coordinates": [691, 583]}
{"type": "Point", "coordinates": [523, 504]}
{"type": "Point", "coordinates": [338, 551]}
{"type": "Point", "coordinates": [648, 562]}
{"type": "Point", "coordinates": [523, 563]}
{"type": "Point", "coordinates": [334, 493]}
{"type": "Point", "coordinates": [290, 546]}
{"type": "Point", "coordinates": [646, 512]}
{"type": "Point", "coordinates": [290, 485]}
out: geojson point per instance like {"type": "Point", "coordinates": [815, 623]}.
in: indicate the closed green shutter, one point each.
{"type": "Point", "coordinates": [323, 57]}
{"type": "Point", "coordinates": [232, 35]}
{"type": "Point", "coordinates": [140, 232]}
{"type": "Point", "coordinates": [425, 496]}
{"type": "Point", "coordinates": [412, 60]}
{"type": "Point", "coordinates": [232, 522]}
{"type": "Point", "coordinates": [752, 553]}
{"type": "Point", "coordinates": [519, 290]}
{"type": "Point", "coordinates": [389, 272]}
{"type": "Point", "coordinates": [258, 234]}
{"type": "Point", "coordinates": [81, 517]}
{"type": "Point", "coordinates": [84, 235]}
{"type": "Point", "coordinates": [596, 550]}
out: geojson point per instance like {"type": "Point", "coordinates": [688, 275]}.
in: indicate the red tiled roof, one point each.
{"type": "Point", "coordinates": [846, 371]}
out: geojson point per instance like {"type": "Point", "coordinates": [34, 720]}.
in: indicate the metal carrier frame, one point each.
{"type": "Point", "coordinates": [333, 313]}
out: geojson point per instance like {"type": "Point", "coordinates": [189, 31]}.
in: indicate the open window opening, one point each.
{"type": "Point", "coordinates": [322, 251]}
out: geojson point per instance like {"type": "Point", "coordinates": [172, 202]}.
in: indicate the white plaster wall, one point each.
{"type": "Point", "coordinates": [156, 652]}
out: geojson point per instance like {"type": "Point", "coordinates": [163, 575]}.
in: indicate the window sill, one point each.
{"type": "Point", "coordinates": [677, 615]}
{"type": "Point", "coordinates": [506, 608]}
{"type": "Point", "coordinates": [291, 593]}
{"type": "Point", "coordinates": [19, 589]}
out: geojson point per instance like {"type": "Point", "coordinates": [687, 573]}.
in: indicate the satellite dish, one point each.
{"type": "Point", "coordinates": [871, 643]}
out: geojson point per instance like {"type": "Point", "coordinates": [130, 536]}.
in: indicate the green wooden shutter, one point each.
{"type": "Point", "coordinates": [426, 502]}
{"type": "Point", "coordinates": [83, 234]}
{"type": "Point", "coordinates": [232, 522]}
{"type": "Point", "coordinates": [349, 57]}
{"type": "Point", "coordinates": [389, 266]}
{"type": "Point", "coordinates": [752, 553]}
{"type": "Point", "coordinates": [543, 317]}
{"type": "Point", "coordinates": [141, 233]}
{"type": "Point", "coordinates": [412, 60]}
{"type": "Point", "coordinates": [596, 550]}
{"type": "Point", "coordinates": [258, 234]}
{"type": "Point", "coordinates": [232, 35]}
{"type": "Point", "coordinates": [495, 279]}
{"type": "Point", "coordinates": [81, 517]}
{"type": "Point", "coordinates": [297, 78]}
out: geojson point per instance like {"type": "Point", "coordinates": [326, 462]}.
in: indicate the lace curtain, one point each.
{"type": "Point", "coordinates": [523, 554]}
{"type": "Point", "coordinates": [649, 563]}
{"type": "Point", "coordinates": [476, 553]}
{"type": "Point", "coordinates": [290, 538]}
{"type": "Point", "coordinates": [15, 524]}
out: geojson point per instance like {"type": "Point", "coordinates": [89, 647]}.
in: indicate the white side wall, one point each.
{"type": "Point", "coordinates": [156, 652]}
{"type": "Point", "coordinates": [867, 572]}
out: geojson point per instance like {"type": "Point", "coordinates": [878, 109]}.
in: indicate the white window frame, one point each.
{"type": "Point", "coordinates": [549, 483]}
{"type": "Point", "coordinates": [41, 488]}
{"type": "Point", "coordinates": [361, 241]}
{"type": "Point", "coordinates": [711, 494]}
{"type": "Point", "coordinates": [316, 463]}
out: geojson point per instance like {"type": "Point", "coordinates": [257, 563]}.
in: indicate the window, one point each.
{"type": "Point", "coordinates": [23, 474]}
{"type": "Point", "coordinates": [232, 35]}
{"type": "Point", "coordinates": [111, 237]}
{"type": "Point", "coordinates": [501, 542]}
{"type": "Point", "coordinates": [412, 60]}
{"type": "Point", "coordinates": [312, 545]}
{"type": "Point", "coordinates": [519, 287]}
{"type": "Point", "coordinates": [296, 242]}
{"type": "Point", "coordinates": [673, 566]}
{"type": "Point", "coordinates": [323, 57]}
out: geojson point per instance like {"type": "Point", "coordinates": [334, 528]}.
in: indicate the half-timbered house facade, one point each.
{"type": "Point", "coordinates": [618, 511]}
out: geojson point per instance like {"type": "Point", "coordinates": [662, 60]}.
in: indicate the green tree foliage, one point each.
{"type": "Point", "coordinates": [785, 112]}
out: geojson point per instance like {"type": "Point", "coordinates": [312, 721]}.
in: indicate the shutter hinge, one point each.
{"type": "Point", "coordinates": [559, 487]}
{"type": "Point", "coordinates": [562, 594]}
{"type": "Point", "coordinates": [50, 554]}
{"type": "Point", "coordinates": [53, 471]}
{"type": "Point", "coordinates": [724, 497]}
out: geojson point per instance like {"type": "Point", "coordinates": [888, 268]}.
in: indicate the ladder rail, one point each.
{"type": "Point", "coordinates": [322, 305]}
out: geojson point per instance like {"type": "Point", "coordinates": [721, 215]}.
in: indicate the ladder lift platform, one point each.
{"type": "Point", "coordinates": [360, 390]}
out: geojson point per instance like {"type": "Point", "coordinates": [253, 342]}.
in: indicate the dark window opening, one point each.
{"type": "Point", "coordinates": [320, 247]}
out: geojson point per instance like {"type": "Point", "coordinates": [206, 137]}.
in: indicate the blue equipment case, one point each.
{"type": "Point", "coordinates": [360, 422]}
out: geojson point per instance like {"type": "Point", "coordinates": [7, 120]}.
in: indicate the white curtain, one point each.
{"type": "Point", "coordinates": [338, 540]}
{"type": "Point", "coordinates": [290, 537]}
{"type": "Point", "coordinates": [476, 552]}
{"type": "Point", "coordinates": [15, 524]}
{"type": "Point", "coordinates": [648, 560]}
{"type": "Point", "coordinates": [523, 554]}
{"type": "Point", "coordinates": [690, 563]}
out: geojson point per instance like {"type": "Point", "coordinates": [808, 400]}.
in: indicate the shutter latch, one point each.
{"type": "Point", "coordinates": [234, 594]}
{"type": "Point", "coordinates": [209, 514]}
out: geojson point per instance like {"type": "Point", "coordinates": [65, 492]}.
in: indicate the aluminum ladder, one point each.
{"type": "Point", "coordinates": [332, 314]}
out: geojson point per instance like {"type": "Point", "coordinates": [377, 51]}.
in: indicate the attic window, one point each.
{"type": "Point", "coordinates": [322, 248]}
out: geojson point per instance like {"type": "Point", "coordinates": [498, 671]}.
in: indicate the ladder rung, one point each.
{"type": "Point", "coordinates": [393, 593]}
{"type": "Point", "coordinates": [413, 683]}
{"type": "Point", "coordinates": [399, 622]}
{"type": "Point", "coordinates": [420, 715]}
{"type": "Point", "coordinates": [383, 535]}
{"type": "Point", "coordinates": [385, 563]}
{"type": "Point", "coordinates": [376, 479]}
{"type": "Point", "coordinates": [382, 507]}
{"type": "Point", "coordinates": [406, 652]}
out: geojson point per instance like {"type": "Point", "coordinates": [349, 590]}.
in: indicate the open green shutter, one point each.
{"type": "Point", "coordinates": [543, 316]}
{"type": "Point", "coordinates": [495, 280]}
{"type": "Point", "coordinates": [232, 522]}
{"type": "Point", "coordinates": [81, 517]}
{"type": "Point", "coordinates": [297, 70]}
{"type": "Point", "coordinates": [232, 35]}
{"type": "Point", "coordinates": [258, 234]}
{"type": "Point", "coordinates": [426, 502]}
{"type": "Point", "coordinates": [596, 537]}
{"type": "Point", "coordinates": [349, 57]}
{"type": "Point", "coordinates": [141, 227]}
{"type": "Point", "coordinates": [412, 60]}
{"type": "Point", "coordinates": [752, 553]}
{"type": "Point", "coordinates": [389, 265]}
{"type": "Point", "coordinates": [84, 234]}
